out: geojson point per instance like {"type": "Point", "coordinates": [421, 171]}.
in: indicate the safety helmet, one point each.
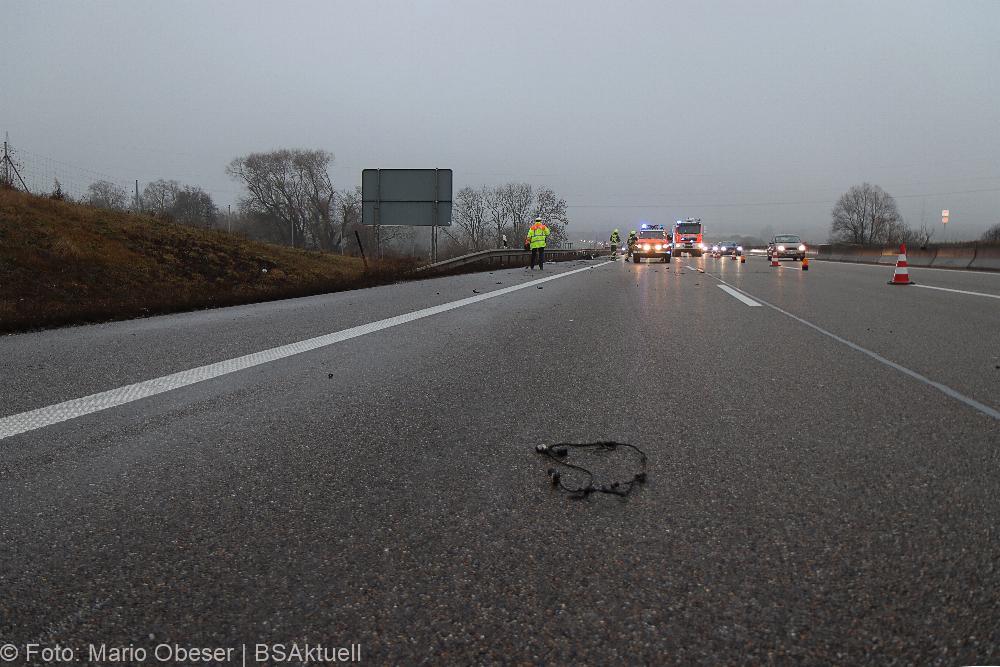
{"type": "Point", "coordinates": [538, 219]}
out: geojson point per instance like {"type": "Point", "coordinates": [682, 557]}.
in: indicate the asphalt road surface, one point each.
{"type": "Point", "coordinates": [823, 455]}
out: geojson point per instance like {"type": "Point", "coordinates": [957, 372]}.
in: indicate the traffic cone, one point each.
{"type": "Point", "coordinates": [805, 263]}
{"type": "Point", "coordinates": [902, 275]}
{"type": "Point", "coordinates": [743, 259]}
{"type": "Point", "coordinates": [774, 260]}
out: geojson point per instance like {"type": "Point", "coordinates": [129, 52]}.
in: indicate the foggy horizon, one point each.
{"type": "Point", "coordinates": [749, 118]}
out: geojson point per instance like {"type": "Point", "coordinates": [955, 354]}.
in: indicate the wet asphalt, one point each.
{"type": "Point", "coordinates": [804, 503]}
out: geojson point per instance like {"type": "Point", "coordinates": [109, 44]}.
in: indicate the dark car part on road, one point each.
{"type": "Point", "coordinates": [560, 452]}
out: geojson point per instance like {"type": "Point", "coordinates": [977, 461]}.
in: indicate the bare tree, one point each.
{"type": "Point", "coordinates": [517, 201]}
{"type": "Point", "coordinates": [992, 235]}
{"type": "Point", "coordinates": [295, 191]}
{"type": "Point", "coordinates": [57, 191]}
{"type": "Point", "coordinates": [105, 194]}
{"type": "Point", "coordinates": [552, 210]}
{"type": "Point", "coordinates": [495, 211]}
{"type": "Point", "coordinates": [348, 204]}
{"type": "Point", "coordinates": [472, 216]}
{"type": "Point", "coordinates": [193, 206]}
{"type": "Point", "coordinates": [158, 196]}
{"type": "Point", "coordinates": [922, 237]}
{"type": "Point", "coordinates": [867, 215]}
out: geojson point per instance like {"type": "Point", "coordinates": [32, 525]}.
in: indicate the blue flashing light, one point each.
{"type": "Point", "coordinates": [645, 226]}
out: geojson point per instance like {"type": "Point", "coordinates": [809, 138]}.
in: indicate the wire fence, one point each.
{"type": "Point", "coordinates": [43, 175]}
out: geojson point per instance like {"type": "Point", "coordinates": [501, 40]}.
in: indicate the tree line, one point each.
{"type": "Point", "coordinates": [484, 215]}
{"type": "Point", "coordinates": [867, 215]}
{"type": "Point", "coordinates": [291, 199]}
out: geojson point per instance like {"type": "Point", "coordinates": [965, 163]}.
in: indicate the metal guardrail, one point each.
{"type": "Point", "coordinates": [507, 259]}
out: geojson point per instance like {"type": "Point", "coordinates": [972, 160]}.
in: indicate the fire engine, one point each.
{"type": "Point", "coordinates": [653, 243]}
{"type": "Point", "coordinates": [689, 237]}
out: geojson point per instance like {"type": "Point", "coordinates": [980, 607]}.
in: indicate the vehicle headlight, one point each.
{"type": "Point", "coordinates": [802, 248]}
{"type": "Point", "coordinates": [781, 248]}
{"type": "Point", "coordinates": [740, 248]}
{"type": "Point", "coordinates": [723, 248]}
{"type": "Point", "coordinates": [645, 247]}
{"type": "Point", "coordinates": [659, 247]}
{"type": "Point", "coordinates": [702, 246]}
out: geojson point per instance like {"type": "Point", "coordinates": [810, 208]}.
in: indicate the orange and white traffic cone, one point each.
{"type": "Point", "coordinates": [805, 263]}
{"type": "Point", "coordinates": [774, 260]}
{"type": "Point", "coordinates": [902, 275]}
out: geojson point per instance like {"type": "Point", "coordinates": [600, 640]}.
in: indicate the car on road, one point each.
{"type": "Point", "coordinates": [786, 245]}
{"type": "Point", "coordinates": [728, 248]}
{"type": "Point", "coordinates": [653, 243]}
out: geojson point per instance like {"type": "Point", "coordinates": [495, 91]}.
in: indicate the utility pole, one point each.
{"type": "Point", "coordinates": [138, 206]}
{"type": "Point", "coordinates": [6, 169]}
{"type": "Point", "coordinates": [229, 218]}
{"type": "Point", "coordinates": [8, 166]}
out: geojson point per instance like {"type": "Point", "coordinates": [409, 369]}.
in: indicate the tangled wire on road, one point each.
{"type": "Point", "coordinates": [559, 452]}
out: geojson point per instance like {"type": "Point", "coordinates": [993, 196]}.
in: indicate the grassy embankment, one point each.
{"type": "Point", "coordinates": [63, 263]}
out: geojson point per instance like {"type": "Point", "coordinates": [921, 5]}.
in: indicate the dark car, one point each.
{"type": "Point", "coordinates": [731, 248]}
{"type": "Point", "coordinates": [786, 245]}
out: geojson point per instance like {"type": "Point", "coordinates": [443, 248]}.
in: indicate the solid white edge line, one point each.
{"type": "Point", "coordinates": [968, 272]}
{"type": "Point", "coordinates": [943, 388]}
{"type": "Point", "coordinates": [958, 291]}
{"type": "Point", "coordinates": [742, 297]}
{"type": "Point", "coordinates": [78, 407]}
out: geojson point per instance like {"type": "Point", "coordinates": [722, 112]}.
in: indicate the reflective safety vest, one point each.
{"type": "Point", "coordinates": [615, 238]}
{"type": "Point", "coordinates": [537, 235]}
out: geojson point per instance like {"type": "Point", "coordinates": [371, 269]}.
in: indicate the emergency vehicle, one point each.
{"type": "Point", "coordinates": [653, 243]}
{"type": "Point", "coordinates": [689, 237]}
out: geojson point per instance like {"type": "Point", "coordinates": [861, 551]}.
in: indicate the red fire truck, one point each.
{"type": "Point", "coordinates": [689, 237]}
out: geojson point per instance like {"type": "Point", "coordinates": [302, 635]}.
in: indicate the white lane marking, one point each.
{"type": "Point", "coordinates": [944, 389]}
{"type": "Point", "coordinates": [742, 297]}
{"type": "Point", "coordinates": [78, 407]}
{"type": "Point", "coordinates": [959, 291]}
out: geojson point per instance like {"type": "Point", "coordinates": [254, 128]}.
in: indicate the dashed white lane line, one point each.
{"type": "Point", "coordinates": [943, 388]}
{"type": "Point", "coordinates": [78, 407]}
{"type": "Point", "coordinates": [739, 295]}
{"type": "Point", "coordinates": [959, 291]}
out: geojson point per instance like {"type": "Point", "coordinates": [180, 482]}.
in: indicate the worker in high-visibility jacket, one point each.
{"type": "Point", "coordinates": [538, 235]}
{"type": "Point", "coordinates": [616, 240]}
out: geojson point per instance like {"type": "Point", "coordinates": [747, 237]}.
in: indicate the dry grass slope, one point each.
{"type": "Point", "coordinates": [63, 263]}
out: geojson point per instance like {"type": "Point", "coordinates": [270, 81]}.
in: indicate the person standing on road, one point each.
{"type": "Point", "coordinates": [616, 240]}
{"type": "Point", "coordinates": [633, 241]}
{"type": "Point", "coordinates": [538, 235]}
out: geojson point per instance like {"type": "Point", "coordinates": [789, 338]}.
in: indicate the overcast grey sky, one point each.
{"type": "Point", "coordinates": [745, 114]}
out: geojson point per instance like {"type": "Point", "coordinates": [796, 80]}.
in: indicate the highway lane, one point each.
{"type": "Point", "coordinates": [951, 337]}
{"type": "Point", "coordinates": [804, 502]}
{"type": "Point", "coordinates": [62, 364]}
